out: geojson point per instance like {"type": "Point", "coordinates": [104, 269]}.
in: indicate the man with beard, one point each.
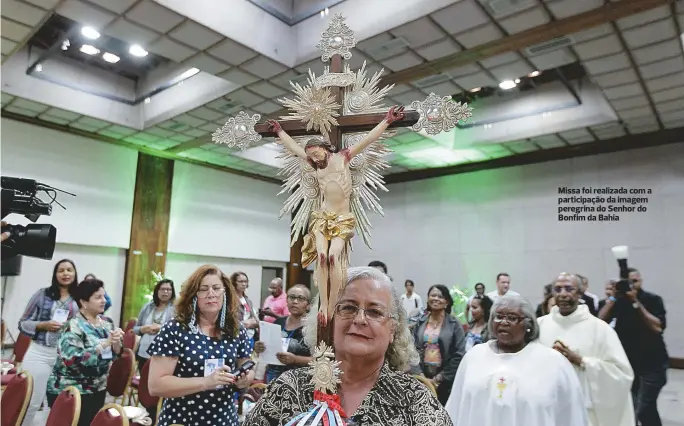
{"type": "Point", "coordinates": [595, 351]}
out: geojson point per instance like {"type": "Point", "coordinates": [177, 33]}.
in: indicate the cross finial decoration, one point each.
{"type": "Point", "coordinates": [337, 39]}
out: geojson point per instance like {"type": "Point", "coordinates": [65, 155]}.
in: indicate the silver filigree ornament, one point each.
{"type": "Point", "coordinates": [364, 97]}
{"type": "Point", "coordinates": [238, 131]}
{"type": "Point", "coordinates": [337, 39]}
{"type": "Point", "coordinates": [335, 79]}
{"type": "Point", "coordinates": [439, 114]}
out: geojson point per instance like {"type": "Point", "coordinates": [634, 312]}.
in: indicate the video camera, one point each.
{"type": "Point", "coordinates": [624, 284]}
{"type": "Point", "coordinates": [33, 240]}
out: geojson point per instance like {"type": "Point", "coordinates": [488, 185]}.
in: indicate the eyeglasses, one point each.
{"type": "Point", "coordinates": [165, 290]}
{"type": "Point", "coordinates": [204, 292]}
{"type": "Point", "coordinates": [567, 288]}
{"type": "Point", "coordinates": [510, 318]}
{"type": "Point", "coordinates": [294, 298]}
{"type": "Point", "coordinates": [351, 311]}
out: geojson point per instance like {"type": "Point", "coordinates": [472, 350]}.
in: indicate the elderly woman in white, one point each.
{"type": "Point", "coordinates": [514, 380]}
{"type": "Point", "coordinates": [374, 346]}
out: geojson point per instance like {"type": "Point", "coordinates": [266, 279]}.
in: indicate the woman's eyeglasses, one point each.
{"type": "Point", "coordinates": [510, 318]}
{"type": "Point", "coordinates": [204, 292]}
{"type": "Point", "coordinates": [351, 311]}
{"type": "Point", "coordinates": [568, 288]}
{"type": "Point", "coordinates": [294, 298]}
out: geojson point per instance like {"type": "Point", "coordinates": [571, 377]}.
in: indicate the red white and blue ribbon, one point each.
{"type": "Point", "coordinates": [326, 411]}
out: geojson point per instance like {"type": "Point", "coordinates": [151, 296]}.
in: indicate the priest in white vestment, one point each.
{"type": "Point", "coordinates": [514, 380]}
{"type": "Point", "coordinates": [595, 351]}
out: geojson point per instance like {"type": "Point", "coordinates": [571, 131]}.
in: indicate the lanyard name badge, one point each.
{"type": "Point", "coordinates": [212, 364]}
{"type": "Point", "coordinates": [105, 346]}
{"type": "Point", "coordinates": [60, 315]}
{"type": "Point", "coordinates": [286, 340]}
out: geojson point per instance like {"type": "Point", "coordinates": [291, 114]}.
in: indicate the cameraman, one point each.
{"type": "Point", "coordinates": [5, 235]}
{"type": "Point", "coordinates": [639, 323]}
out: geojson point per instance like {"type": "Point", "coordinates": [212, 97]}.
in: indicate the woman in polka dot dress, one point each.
{"type": "Point", "coordinates": [193, 355]}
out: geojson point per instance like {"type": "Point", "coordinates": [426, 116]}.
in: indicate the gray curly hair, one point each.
{"type": "Point", "coordinates": [514, 301]}
{"type": "Point", "coordinates": [401, 353]}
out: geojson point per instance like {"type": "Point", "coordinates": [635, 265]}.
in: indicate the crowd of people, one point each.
{"type": "Point", "coordinates": [573, 360]}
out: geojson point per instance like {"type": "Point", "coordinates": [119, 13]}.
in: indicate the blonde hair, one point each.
{"type": "Point", "coordinates": [401, 353]}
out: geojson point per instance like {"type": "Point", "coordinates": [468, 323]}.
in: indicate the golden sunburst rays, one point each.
{"type": "Point", "coordinates": [326, 371]}
{"type": "Point", "coordinates": [314, 106]}
{"type": "Point", "coordinates": [364, 96]}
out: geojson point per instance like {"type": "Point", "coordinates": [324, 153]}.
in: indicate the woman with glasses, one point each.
{"type": "Point", "coordinates": [295, 353]}
{"type": "Point", "coordinates": [193, 355]}
{"type": "Point", "coordinates": [440, 341]}
{"type": "Point", "coordinates": [152, 316]}
{"type": "Point", "coordinates": [514, 380]}
{"type": "Point", "coordinates": [246, 314]}
{"type": "Point", "coordinates": [373, 344]}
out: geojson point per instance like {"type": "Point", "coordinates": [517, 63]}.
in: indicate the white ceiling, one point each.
{"type": "Point", "coordinates": [637, 62]}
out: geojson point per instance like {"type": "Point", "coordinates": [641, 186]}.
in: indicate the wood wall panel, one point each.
{"type": "Point", "coordinates": [149, 231]}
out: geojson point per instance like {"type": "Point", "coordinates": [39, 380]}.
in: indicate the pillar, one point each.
{"type": "Point", "coordinates": [149, 232]}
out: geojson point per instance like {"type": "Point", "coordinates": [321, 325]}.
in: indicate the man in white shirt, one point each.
{"type": "Point", "coordinates": [412, 303]}
{"type": "Point", "coordinates": [503, 285]}
{"type": "Point", "coordinates": [594, 349]}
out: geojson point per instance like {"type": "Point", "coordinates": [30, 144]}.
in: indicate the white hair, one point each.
{"type": "Point", "coordinates": [515, 301]}
{"type": "Point", "coordinates": [401, 353]}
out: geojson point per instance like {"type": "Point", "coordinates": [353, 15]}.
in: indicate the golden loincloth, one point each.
{"type": "Point", "coordinates": [331, 225]}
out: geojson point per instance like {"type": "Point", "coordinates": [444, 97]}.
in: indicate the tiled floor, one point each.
{"type": "Point", "coordinates": [671, 402]}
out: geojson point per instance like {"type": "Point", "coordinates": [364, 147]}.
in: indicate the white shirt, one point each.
{"type": "Point", "coordinates": [534, 387]}
{"type": "Point", "coordinates": [413, 305]}
{"type": "Point", "coordinates": [494, 295]}
{"type": "Point", "coordinates": [607, 375]}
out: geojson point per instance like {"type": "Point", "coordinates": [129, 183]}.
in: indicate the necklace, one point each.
{"type": "Point", "coordinates": [158, 319]}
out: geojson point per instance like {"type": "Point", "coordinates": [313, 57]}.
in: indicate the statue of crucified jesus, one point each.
{"type": "Point", "coordinates": [331, 226]}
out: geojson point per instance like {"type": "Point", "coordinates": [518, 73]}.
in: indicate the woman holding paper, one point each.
{"type": "Point", "coordinates": [295, 353]}
{"type": "Point", "coordinates": [85, 351]}
{"type": "Point", "coordinates": [193, 355]}
{"type": "Point", "coordinates": [46, 312]}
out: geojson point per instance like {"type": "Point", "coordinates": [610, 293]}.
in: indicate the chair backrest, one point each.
{"type": "Point", "coordinates": [66, 409]}
{"type": "Point", "coordinates": [15, 399]}
{"type": "Point", "coordinates": [20, 347]}
{"type": "Point", "coordinates": [129, 340]}
{"type": "Point", "coordinates": [131, 323]}
{"type": "Point", "coordinates": [121, 373]}
{"type": "Point", "coordinates": [146, 400]}
{"type": "Point", "coordinates": [110, 415]}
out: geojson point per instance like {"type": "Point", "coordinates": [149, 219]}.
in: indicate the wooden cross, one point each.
{"type": "Point", "coordinates": [346, 124]}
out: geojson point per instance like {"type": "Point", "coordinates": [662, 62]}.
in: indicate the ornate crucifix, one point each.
{"type": "Point", "coordinates": [333, 157]}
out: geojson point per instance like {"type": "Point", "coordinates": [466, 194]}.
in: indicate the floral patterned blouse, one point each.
{"type": "Point", "coordinates": [79, 363]}
{"type": "Point", "coordinates": [397, 399]}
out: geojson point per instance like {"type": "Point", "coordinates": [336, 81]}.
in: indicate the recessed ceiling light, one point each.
{"type": "Point", "coordinates": [507, 84]}
{"type": "Point", "coordinates": [65, 44]}
{"type": "Point", "coordinates": [533, 74]}
{"type": "Point", "coordinates": [110, 57]}
{"type": "Point", "coordinates": [475, 89]}
{"type": "Point", "coordinates": [189, 73]}
{"type": "Point", "coordinates": [89, 50]}
{"type": "Point", "coordinates": [39, 68]}
{"type": "Point", "coordinates": [137, 50]}
{"type": "Point", "coordinates": [517, 81]}
{"type": "Point", "coordinates": [90, 33]}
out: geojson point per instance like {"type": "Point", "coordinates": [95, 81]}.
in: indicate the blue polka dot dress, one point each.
{"type": "Point", "coordinates": [208, 408]}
